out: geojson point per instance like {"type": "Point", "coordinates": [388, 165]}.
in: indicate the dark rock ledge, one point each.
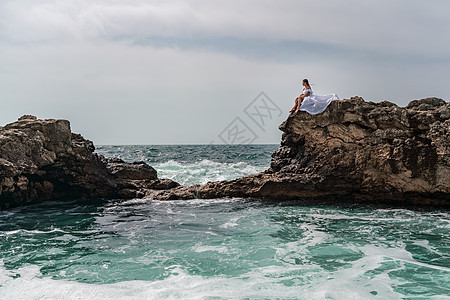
{"type": "Point", "coordinates": [355, 151]}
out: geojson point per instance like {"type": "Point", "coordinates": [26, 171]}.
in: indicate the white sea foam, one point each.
{"type": "Point", "coordinates": [195, 202]}
{"type": "Point", "coordinates": [203, 171]}
{"type": "Point", "coordinates": [24, 231]}
{"type": "Point", "coordinates": [265, 282]}
{"type": "Point", "coordinates": [205, 248]}
{"type": "Point", "coordinates": [367, 277]}
{"type": "Point", "coordinates": [231, 223]}
{"type": "Point", "coordinates": [132, 202]}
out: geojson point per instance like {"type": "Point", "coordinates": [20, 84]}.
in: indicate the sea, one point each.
{"type": "Point", "coordinates": [230, 248]}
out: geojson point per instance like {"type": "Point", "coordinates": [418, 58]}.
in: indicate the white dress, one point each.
{"type": "Point", "coordinates": [315, 104]}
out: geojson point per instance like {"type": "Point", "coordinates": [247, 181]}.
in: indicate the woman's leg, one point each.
{"type": "Point", "coordinates": [300, 100]}
{"type": "Point", "coordinates": [295, 105]}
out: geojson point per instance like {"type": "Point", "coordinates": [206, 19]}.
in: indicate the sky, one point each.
{"type": "Point", "coordinates": [206, 71]}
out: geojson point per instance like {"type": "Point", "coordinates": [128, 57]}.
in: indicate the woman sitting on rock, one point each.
{"type": "Point", "coordinates": [310, 103]}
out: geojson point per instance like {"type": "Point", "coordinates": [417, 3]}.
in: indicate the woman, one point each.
{"type": "Point", "coordinates": [310, 103]}
{"type": "Point", "coordinates": [307, 91]}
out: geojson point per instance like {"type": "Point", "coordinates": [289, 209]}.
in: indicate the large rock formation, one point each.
{"type": "Point", "coordinates": [355, 151]}
{"type": "Point", "coordinates": [43, 160]}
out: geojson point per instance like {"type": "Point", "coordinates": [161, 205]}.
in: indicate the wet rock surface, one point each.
{"type": "Point", "coordinates": [43, 160]}
{"type": "Point", "coordinates": [355, 151]}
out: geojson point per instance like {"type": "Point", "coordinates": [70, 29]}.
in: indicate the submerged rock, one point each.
{"type": "Point", "coordinates": [355, 151]}
{"type": "Point", "coordinates": [43, 160]}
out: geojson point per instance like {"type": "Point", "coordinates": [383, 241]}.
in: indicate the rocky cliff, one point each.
{"type": "Point", "coordinates": [43, 160]}
{"type": "Point", "coordinates": [355, 151]}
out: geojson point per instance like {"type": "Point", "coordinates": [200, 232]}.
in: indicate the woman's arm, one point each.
{"type": "Point", "coordinates": [302, 96]}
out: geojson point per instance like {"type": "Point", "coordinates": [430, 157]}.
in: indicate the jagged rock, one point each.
{"type": "Point", "coordinates": [355, 151]}
{"type": "Point", "coordinates": [43, 160]}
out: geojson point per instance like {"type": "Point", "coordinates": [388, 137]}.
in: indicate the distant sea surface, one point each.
{"type": "Point", "coordinates": [222, 248]}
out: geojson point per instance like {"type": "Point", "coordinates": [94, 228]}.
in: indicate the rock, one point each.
{"type": "Point", "coordinates": [134, 171]}
{"type": "Point", "coordinates": [355, 151]}
{"type": "Point", "coordinates": [43, 160]}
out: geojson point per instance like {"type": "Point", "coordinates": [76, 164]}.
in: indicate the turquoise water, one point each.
{"type": "Point", "coordinates": [197, 164]}
{"type": "Point", "coordinates": [221, 249]}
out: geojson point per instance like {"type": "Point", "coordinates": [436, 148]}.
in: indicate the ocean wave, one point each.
{"type": "Point", "coordinates": [205, 170]}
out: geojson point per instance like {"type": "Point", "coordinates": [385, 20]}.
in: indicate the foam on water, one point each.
{"type": "Point", "coordinates": [31, 232]}
{"type": "Point", "coordinates": [285, 281]}
{"type": "Point", "coordinates": [197, 164]}
{"type": "Point", "coordinates": [180, 285]}
{"type": "Point", "coordinates": [205, 170]}
{"type": "Point", "coordinates": [222, 248]}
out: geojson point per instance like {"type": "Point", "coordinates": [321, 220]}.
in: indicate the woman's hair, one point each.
{"type": "Point", "coordinates": [307, 82]}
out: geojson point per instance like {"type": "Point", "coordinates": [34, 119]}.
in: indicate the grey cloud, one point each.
{"type": "Point", "coordinates": [398, 27]}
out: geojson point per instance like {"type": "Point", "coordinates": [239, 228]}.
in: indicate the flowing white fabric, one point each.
{"type": "Point", "coordinates": [315, 104]}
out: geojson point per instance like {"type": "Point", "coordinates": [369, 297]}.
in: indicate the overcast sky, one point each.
{"type": "Point", "coordinates": [179, 72]}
